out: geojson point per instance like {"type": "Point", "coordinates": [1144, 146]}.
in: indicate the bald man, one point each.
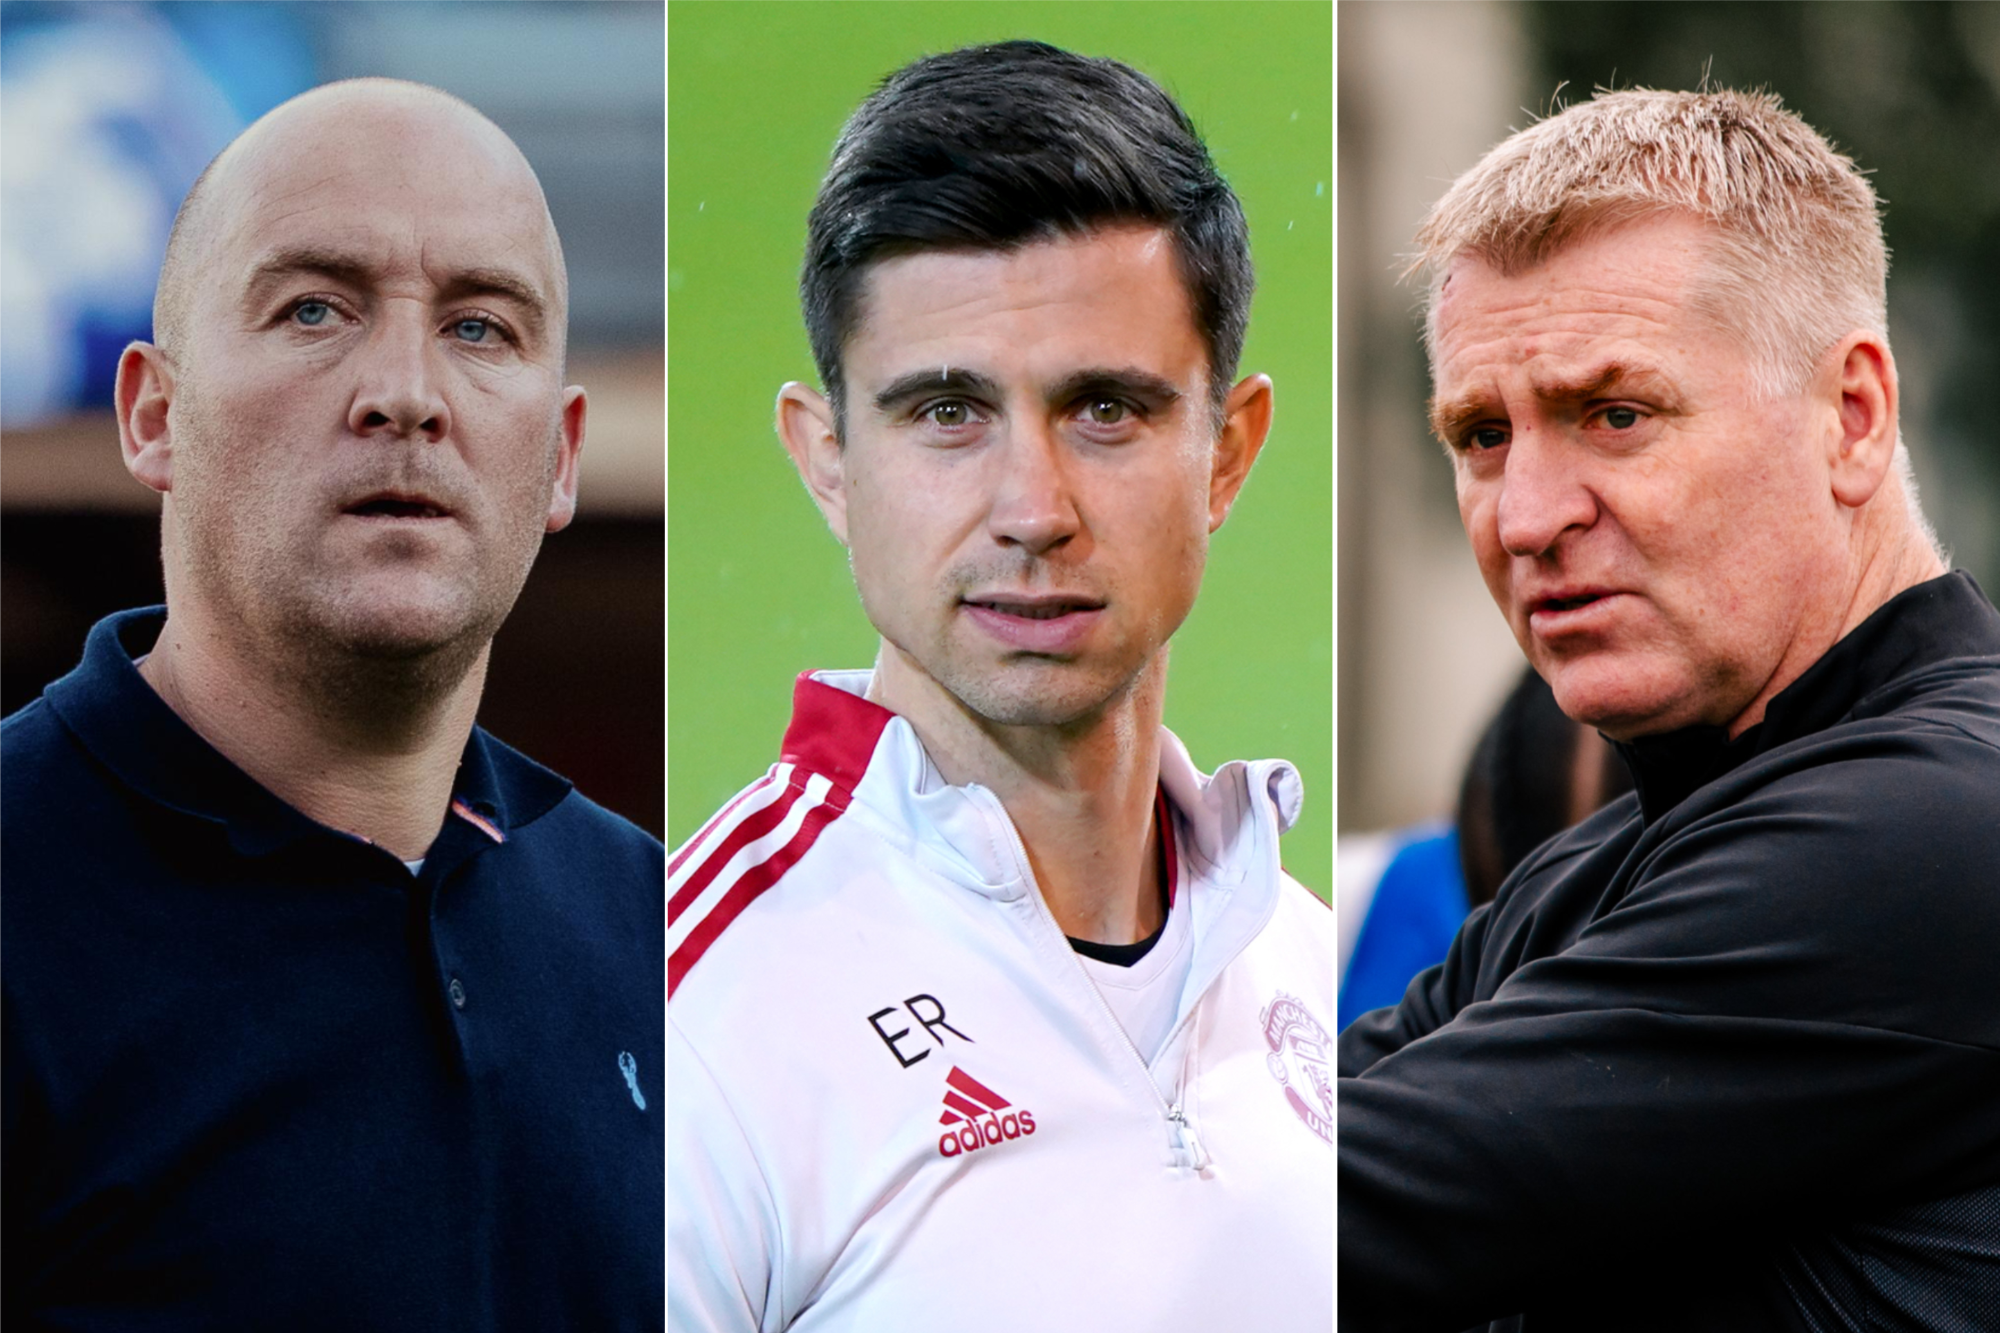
{"type": "Point", "coordinates": [323, 1008]}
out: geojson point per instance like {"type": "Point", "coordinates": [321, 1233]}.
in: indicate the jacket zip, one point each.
{"type": "Point", "coordinates": [1186, 1144]}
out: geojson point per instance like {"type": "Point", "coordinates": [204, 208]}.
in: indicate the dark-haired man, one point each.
{"type": "Point", "coordinates": [988, 1010]}
{"type": "Point", "coordinates": [324, 1009]}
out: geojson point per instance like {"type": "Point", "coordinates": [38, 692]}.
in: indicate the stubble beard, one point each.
{"type": "Point", "coordinates": [1066, 697]}
{"type": "Point", "coordinates": [305, 627]}
{"type": "Point", "coordinates": [1058, 696]}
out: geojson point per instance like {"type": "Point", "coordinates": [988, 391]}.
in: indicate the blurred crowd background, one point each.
{"type": "Point", "coordinates": [1434, 713]}
{"type": "Point", "coordinates": [759, 590]}
{"type": "Point", "coordinates": [109, 113]}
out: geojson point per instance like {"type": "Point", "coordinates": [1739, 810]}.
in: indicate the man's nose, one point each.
{"type": "Point", "coordinates": [397, 393]}
{"type": "Point", "coordinates": [1034, 506]}
{"type": "Point", "coordinates": [1542, 493]}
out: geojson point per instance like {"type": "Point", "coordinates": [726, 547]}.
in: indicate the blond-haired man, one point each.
{"type": "Point", "coordinates": [1727, 1055]}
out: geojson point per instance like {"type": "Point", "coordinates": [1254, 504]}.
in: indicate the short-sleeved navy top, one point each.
{"type": "Point", "coordinates": [259, 1075]}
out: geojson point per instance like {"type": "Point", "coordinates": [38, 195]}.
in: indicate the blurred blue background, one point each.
{"type": "Point", "coordinates": [109, 111]}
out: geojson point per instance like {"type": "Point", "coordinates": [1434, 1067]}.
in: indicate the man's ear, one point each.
{"type": "Point", "coordinates": [806, 426]}
{"type": "Point", "coordinates": [569, 444]}
{"type": "Point", "coordinates": [1863, 392]}
{"type": "Point", "coordinates": [144, 392]}
{"type": "Point", "coordinates": [1246, 420]}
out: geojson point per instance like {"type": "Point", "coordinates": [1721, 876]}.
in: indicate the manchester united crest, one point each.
{"type": "Point", "coordinates": [1298, 1060]}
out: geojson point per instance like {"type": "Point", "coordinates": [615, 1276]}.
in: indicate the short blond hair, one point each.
{"type": "Point", "coordinates": [1798, 260]}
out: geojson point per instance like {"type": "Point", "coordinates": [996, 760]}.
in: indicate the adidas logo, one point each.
{"type": "Point", "coordinates": [982, 1115]}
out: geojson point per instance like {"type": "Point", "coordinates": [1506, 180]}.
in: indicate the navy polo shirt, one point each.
{"type": "Point", "coordinates": [259, 1075]}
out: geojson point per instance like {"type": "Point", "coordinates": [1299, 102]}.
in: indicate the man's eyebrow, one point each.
{"type": "Point", "coordinates": [1153, 391]}
{"type": "Point", "coordinates": [339, 265]}
{"type": "Point", "coordinates": [1612, 375]}
{"type": "Point", "coordinates": [1450, 416]}
{"type": "Point", "coordinates": [504, 283]}
{"type": "Point", "coordinates": [938, 379]}
{"type": "Point", "coordinates": [355, 271]}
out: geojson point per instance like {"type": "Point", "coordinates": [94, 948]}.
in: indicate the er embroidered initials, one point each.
{"type": "Point", "coordinates": [931, 1021]}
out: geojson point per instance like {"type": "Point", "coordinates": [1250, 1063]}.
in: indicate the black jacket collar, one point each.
{"type": "Point", "coordinates": [1935, 621]}
{"type": "Point", "coordinates": [115, 714]}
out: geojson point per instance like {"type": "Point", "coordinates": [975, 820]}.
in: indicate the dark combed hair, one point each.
{"type": "Point", "coordinates": [993, 147]}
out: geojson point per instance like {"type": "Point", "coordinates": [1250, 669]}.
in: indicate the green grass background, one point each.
{"type": "Point", "coordinates": [758, 589]}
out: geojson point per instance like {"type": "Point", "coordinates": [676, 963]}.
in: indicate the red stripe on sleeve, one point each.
{"type": "Point", "coordinates": [754, 882]}
{"type": "Point", "coordinates": [756, 826]}
{"type": "Point", "coordinates": [673, 867]}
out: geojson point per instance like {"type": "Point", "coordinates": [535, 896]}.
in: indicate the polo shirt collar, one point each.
{"type": "Point", "coordinates": [129, 729]}
{"type": "Point", "coordinates": [503, 787]}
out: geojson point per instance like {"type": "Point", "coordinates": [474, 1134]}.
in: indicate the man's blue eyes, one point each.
{"type": "Point", "coordinates": [313, 314]}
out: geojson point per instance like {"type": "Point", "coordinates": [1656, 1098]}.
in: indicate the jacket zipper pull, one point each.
{"type": "Point", "coordinates": [1187, 1144]}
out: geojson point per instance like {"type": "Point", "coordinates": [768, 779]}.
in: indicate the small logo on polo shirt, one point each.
{"type": "Point", "coordinates": [982, 1116]}
{"type": "Point", "coordinates": [630, 1069]}
{"type": "Point", "coordinates": [1297, 1060]}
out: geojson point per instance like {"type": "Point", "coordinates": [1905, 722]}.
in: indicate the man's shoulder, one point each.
{"type": "Point", "coordinates": [32, 734]}
{"type": "Point", "coordinates": [1939, 679]}
{"type": "Point", "coordinates": [1917, 764]}
{"type": "Point", "coordinates": [578, 820]}
{"type": "Point", "coordinates": [47, 792]}
{"type": "Point", "coordinates": [1904, 799]}
{"type": "Point", "coordinates": [47, 776]}
{"type": "Point", "coordinates": [1959, 694]}
{"type": "Point", "coordinates": [1891, 815]}
{"type": "Point", "coordinates": [789, 839]}
{"type": "Point", "coordinates": [548, 814]}
{"type": "Point", "coordinates": [1913, 753]}
{"type": "Point", "coordinates": [825, 820]}
{"type": "Point", "coordinates": [1302, 910]}
{"type": "Point", "coordinates": [1292, 954]}
{"type": "Point", "coordinates": [1831, 873]}
{"type": "Point", "coordinates": [575, 814]}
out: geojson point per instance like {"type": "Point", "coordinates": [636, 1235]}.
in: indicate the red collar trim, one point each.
{"type": "Point", "coordinates": [1163, 816]}
{"type": "Point", "coordinates": [478, 821]}
{"type": "Point", "coordinates": [833, 733]}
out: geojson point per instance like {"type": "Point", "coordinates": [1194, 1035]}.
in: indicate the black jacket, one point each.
{"type": "Point", "coordinates": [1726, 1055]}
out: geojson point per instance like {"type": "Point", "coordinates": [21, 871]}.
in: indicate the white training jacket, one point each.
{"type": "Point", "coordinates": [897, 1103]}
